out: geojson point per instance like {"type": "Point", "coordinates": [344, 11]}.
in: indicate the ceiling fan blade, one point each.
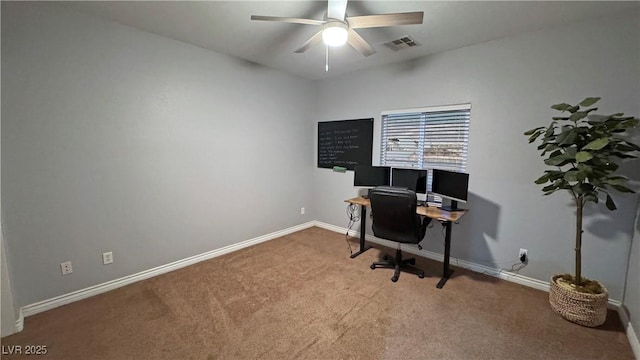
{"type": "Point", "coordinates": [371, 21]}
{"type": "Point", "coordinates": [360, 44]}
{"type": "Point", "coordinates": [309, 43]}
{"type": "Point", "coordinates": [288, 20]}
{"type": "Point", "coordinates": [336, 9]}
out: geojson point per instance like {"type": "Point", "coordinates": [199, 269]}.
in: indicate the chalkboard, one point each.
{"type": "Point", "coordinates": [345, 143]}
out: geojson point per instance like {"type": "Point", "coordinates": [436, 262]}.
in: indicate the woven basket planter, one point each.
{"type": "Point", "coordinates": [580, 308]}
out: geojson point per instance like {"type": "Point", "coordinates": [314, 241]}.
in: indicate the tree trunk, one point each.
{"type": "Point", "coordinates": [579, 206]}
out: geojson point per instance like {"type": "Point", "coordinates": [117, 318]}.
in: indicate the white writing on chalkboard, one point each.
{"type": "Point", "coordinates": [337, 142]}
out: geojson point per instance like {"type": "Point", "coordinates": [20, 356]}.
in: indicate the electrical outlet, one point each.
{"type": "Point", "coordinates": [301, 211]}
{"type": "Point", "coordinates": [66, 268]}
{"type": "Point", "coordinates": [107, 258]}
{"type": "Point", "coordinates": [523, 255]}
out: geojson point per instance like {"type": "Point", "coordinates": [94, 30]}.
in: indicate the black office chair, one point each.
{"type": "Point", "coordinates": [394, 218]}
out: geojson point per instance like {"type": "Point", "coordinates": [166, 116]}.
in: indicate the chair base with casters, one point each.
{"type": "Point", "coordinates": [399, 264]}
{"type": "Point", "coordinates": [395, 219]}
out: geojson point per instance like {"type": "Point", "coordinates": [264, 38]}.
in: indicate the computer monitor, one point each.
{"type": "Point", "coordinates": [451, 185]}
{"type": "Point", "coordinates": [411, 179]}
{"type": "Point", "coordinates": [371, 176]}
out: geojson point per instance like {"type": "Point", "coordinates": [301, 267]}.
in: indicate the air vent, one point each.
{"type": "Point", "coordinates": [404, 42]}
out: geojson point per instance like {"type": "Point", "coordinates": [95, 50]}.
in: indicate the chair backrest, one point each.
{"type": "Point", "coordinates": [394, 215]}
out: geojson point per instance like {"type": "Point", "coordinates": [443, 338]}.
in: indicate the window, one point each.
{"type": "Point", "coordinates": [426, 138]}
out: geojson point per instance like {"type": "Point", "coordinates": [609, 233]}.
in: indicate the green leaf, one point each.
{"type": "Point", "coordinates": [584, 167]}
{"type": "Point", "coordinates": [586, 188]}
{"type": "Point", "coordinates": [555, 175]}
{"type": "Point", "coordinates": [623, 189]}
{"type": "Point", "coordinates": [529, 132]}
{"type": "Point", "coordinates": [597, 183]}
{"type": "Point", "coordinates": [622, 155]}
{"type": "Point", "coordinates": [583, 156]}
{"type": "Point", "coordinates": [567, 137]}
{"type": "Point", "coordinates": [610, 204]}
{"type": "Point", "coordinates": [551, 129]}
{"type": "Point", "coordinates": [576, 189]}
{"type": "Point", "coordinates": [533, 137]}
{"type": "Point", "coordinates": [583, 189]}
{"type": "Point", "coordinates": [561, 107]}
{"type": "Point", "coordinates": [559, 160]}
{"type": "Point", "coordinates": [632, 145]}
{"type": "Point", "coordinates": [589, 101]}
{"type": "Point", "coordinates": [555, 153]}
{"type": "Point", "coordinates": [597, 144]}
{"type": "Point", "coordinates": [616, 180]}
{"type": "Point", "coordinates": [548, 147]}
{"type": "Point", "coordinates": [624, 147]}
{"type": "Point", "coordinates": [560, 118]}
{"type": "Point", "coordinates": [578, 115]}
{"type": "Point", "coordinates": [615, 177]}
{"type": "Point", "coordinates": [542, 179]}
{"type": "Point", "coordinates": [558, 184]}
{"type": "Point", "coordinates": [571, 175]}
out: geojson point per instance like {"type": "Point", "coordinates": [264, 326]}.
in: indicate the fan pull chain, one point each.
{"type": "Point", "coordinates": [326, 66]}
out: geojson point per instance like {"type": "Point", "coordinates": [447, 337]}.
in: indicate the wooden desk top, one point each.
{"type": "Point", "coordinates": [431, 211]}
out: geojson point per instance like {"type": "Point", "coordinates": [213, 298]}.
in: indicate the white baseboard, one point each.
{"type": "Point", "coordinates": [334, 228]}
{"type": "Point", "coordinates": [57, 301]}
{"type": "Point", "coordinates": [631, 334]}
{"type": "Point", "coordinates": [19, 322]}
{"type": "Point", "coordinates": [498, 273]}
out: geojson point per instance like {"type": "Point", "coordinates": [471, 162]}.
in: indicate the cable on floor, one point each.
{"type": "Point", "coordinates": [354, 217]}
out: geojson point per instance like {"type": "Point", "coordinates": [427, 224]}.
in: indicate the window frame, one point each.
{"type": "Point", "coordinates": [421, 138]}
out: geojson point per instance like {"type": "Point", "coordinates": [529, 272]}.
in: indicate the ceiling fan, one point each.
{"type": "Point", "coordinates": [338, 29]}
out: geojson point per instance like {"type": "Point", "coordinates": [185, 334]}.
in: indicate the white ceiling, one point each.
{"type": "Point", "coordinates": [225, 26]}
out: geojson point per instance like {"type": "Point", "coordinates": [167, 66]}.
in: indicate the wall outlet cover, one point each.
{"type": "Point", "coordinates": [107, 258]}
{"type": "Point", "coordinates": [66, 268]}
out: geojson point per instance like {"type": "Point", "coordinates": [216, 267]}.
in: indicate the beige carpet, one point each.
{"type": "Point", "coordinates": [302, 297]}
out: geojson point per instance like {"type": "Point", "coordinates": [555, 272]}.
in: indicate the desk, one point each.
{"type": "Point", "coordinates": [445, 218]}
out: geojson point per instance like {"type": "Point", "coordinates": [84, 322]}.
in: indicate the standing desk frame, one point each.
{"type": "Point", "coordinates": [445, 218]}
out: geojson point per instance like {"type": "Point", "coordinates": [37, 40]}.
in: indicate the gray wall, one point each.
{"type": "Point", "coordinates": [511, 83]}
{"type": "Point", "coordinates": [119, 140]}
{"type": "Point", "coordinates": [632, 289]}
{"type": "Point", "coordinates": [7, 310]}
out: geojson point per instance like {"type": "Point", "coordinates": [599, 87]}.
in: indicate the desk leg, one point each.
{"type": "Point", "coordinates": [446, 272]}
{"type": "Point", "coordinates": [363, 226]}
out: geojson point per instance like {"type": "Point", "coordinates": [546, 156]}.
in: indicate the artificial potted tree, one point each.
{"type": "Point", "coordinates": [581, 147]}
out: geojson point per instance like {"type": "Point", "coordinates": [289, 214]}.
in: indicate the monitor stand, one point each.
{"type": "Point", "coordinates": [452, 207]}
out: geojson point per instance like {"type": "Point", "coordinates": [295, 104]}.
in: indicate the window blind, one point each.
{"type": "Point", "coordinates": [426, 138]}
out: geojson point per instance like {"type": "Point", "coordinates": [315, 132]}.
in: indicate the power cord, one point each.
{"type": "Point", "coordinates": [354, 217]}
{"type": "Point", "coordinates": [517, 264]}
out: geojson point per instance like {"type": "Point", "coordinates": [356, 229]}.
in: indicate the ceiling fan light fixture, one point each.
{"type": "Point", "coordinates": [335, 33]}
